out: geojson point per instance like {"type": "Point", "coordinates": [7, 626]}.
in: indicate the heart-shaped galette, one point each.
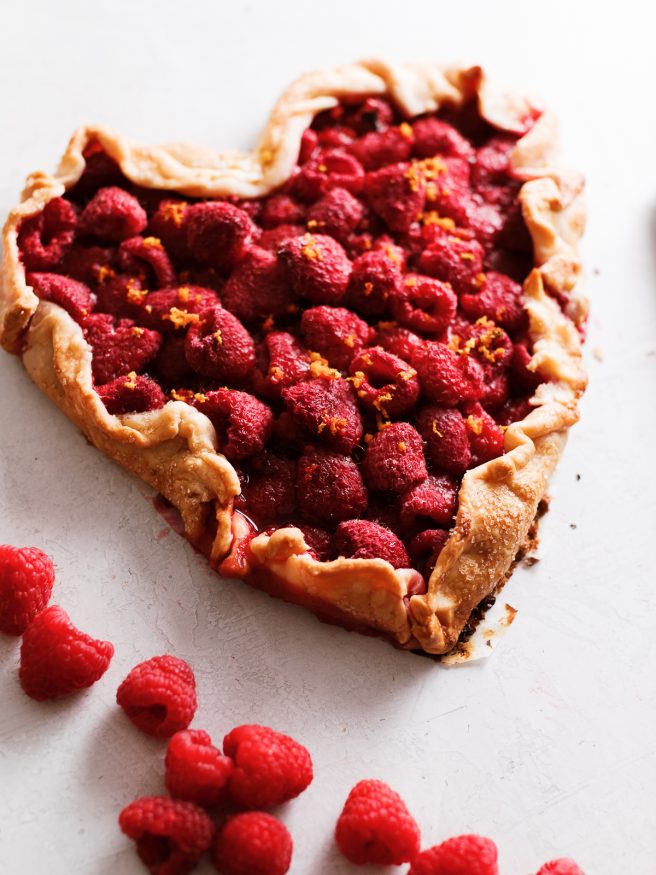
{"type": "Point", "coordinates": [349, 359]}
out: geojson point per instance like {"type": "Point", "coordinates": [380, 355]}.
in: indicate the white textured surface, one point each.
{"type": "Point", "coordinates": [548, 747]}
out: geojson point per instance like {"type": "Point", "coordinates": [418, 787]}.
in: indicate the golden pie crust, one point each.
{"type": "Point", "coordinates": [174, 448]}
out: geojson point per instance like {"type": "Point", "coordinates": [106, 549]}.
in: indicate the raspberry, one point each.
{"type": "Point", "coordinates": [242, 422]}
{"type": "Point", "coordinates": [492, 163]}
{"type": "Point", "coordinates": [335, 137]}
{"type": "Point", "coordinates": [330, 487]}
{"type": "Point", "coordinates": [121, 295]}
{"type": "Point", "coordinates": [168, 225]}
{"type": "Point", "coordinates": [273, 239]}
{"type": "Point", "coordinates": [257, 287]}
{"type": "Point", "coordinates": [453, 260]}
{"type": "Point", "coordinates": [281, 209]}
{"type": "Point", "coordinates": [26, 579]}
{"type": "Point", "coordinates": [446, 436]}
{"type": "Point", "coordinates": [463, 855]}
{"type": "Point", "coordinates": [485, 436]}
{"type": "Point", "coordinates": [196, 771]}
{"type": "Point", "coordinates": [99, 170]}
{"type": "Point", "coordinates": [289, 435]}
{"type": "Point", "coordinates": [379, 148]}
{"type": "Point", "coordinates": [374, 114]}
{"type": "Point", "coordinates": [171, 363]}
{"type": "Point", "coordinates": [433, 136]}
{"type": "Point", "coordinates": [499, 298]}
{"type": "Point", "coordinates": [73, 296]}
{"type": "Point", "coordinates": [564, 866]}
{"type": "Point", "coordinates": [139, 253]}
{"type": "Point", "coordinates": [218, 346]}
{"type": "Point", "coordinates": [309, 144]}
{"type": "Point", "coordinates": [172, 310]}
{"type": "Point", "coordinates": [45, 239]}
{"type": "Point", "coordinates": [363, 539]}
{"type": "Point", "coordinates": [131, 394]}
{"type": "Point", "coordinates": [396, 193]}
{"type": "Point", "coordinates": [523, 381]}
{"type": "Point", "coordinates": [376, 827]}
{"type": "Point", "coordinates": [217, 232]}
{"type": "Point", "coordinates": [399, 341]}
{"type": "Point", "coordinates": [281, 362]}
{"type": "Point", "coordinates": [424, 304]}
{"type": "Point", "coordinates": [159, 695]}
{"type": "Point", "coordinates": [489, 344]}
{"type": "Point", "coordinates": [171, 836]}
{"type": "Point", "coordinates": [384, 382]}
{"type": "Point", "coordinates": [271, 489]}
{"type": "Point", "coordinates": [514, 410]}
{"type": "Point", "coordinates": [337, 213]}
{"type": "Point", "coordinates": [446, 377]}
{"type": "Point", "coordinates": [88, 264]}
{"type": "Point", "coordinates": [319, 541]}
{"type": "Point", "coordinates": [486, 222]}
{"type": "Point", "coordinates": [57, 659]}
{"type": "Point", "coordinates": [113, 215]}
{"type": "Point", "coordinates": [329, 168]}
{"type": "Point", "coordinates": [435, 497]}
{"type": "Point", "coordinates": [317, 267]}
{"type": "Point", "coordinates": [326, 408]}
{"type": "Point", "coordinates": [118, 347]}
{"type": "Point", "coordinates": [269, 767]}
{"type": "Point", "coordinates": [425, 548]}
{"type": "Point", "coordinates": [253, 843]}
{"type": "Point", "coordinates": [495, 393]}
{"type": "Point", "coordinates": [335, 332]}
{"type": "Point", "coordinates": [375, 281]}
{"type": "Point", "coordinates": [394, 459]}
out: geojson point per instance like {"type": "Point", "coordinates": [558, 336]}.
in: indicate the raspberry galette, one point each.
{"type": "Point", "coordinates": [349, 359]}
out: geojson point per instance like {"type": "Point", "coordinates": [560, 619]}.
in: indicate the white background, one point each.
{"type": "Point", "coordinates": [548, 747]}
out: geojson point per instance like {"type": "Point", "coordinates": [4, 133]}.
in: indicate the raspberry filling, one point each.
{"type": "Point", "coordinates": [358, 338]}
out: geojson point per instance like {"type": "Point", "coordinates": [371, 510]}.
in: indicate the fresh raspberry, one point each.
{"type": "Point", "coordinates": [379, 148]}
{"type": "Point", "coordinates": [337, 213]}
{"type": "Point", "coordinates": [453, 260]}
{"type": "Point", "coordinates": [73, 296]}
{"type": "Point", "coordinates": [99, 171]}
{"type": "Point", "coordinates": [363, 539]}
{"type": "Point", "coordinates": [131, 394]}
{"type": "Point", "coordinates": [217, 232]}
{"type": "Point", "coordinates": [218, 346]}
{"type": "Point", "coordinates": [399, 341]}
{"type": "Point", "coordinates": [281, 362]}
{"type": "Point", "coordinates": [396, 193]}
{"type": "Point", "coordinates": [317, 267]}
{"type": "Point", "coordinates": [384, 382]}
{"type": "Point", "coordinates": [373, 114]}
{"type": "Point", "coordinates": [309, 145]}
{"type": "Point", "coordinates": [172, 310]}
{"type": "Point", "coordinates": [486, 221]}
{"type": "Point", "coordinates": [336, 137]}
{"type": "Point", "coordinates": [171, 363]}
{"type": "Point", "coordinates": [118, 347]}
{"type": "Point", "coordinates": [335, 332]}
{"type": "Point", "coordinates": [171, 836]}
{"type": "Point", "coordinates": [564, 866]}
{"type": "Point", "coordinates": [326, 408]}
{"type": "Point", "coordinates": [492, 163]}
{"type": "Point", "coordinates": [485, 436]}
{"type": "Point", "coordinates": [376, 827]}
{"type": "Point", "coordinates": [45, 239]}
{"type": "Point", "coordinates": [375, 280]}
{"type": "Point", "coordinates": [289, 435]}
{"type": "Point", "coordinates": [394, 459]}
{"type": "Point", "coordinates": [523, 380]}
{"type": "Point", "coordinates": [88, 264]}
{"type": "Point", "coordinates": [271, 489]}
{"type": "Point", "coordinates": [463, 855]}
{"type": "Point", "coordinates": [425, 548]}
{"type": "Point", "coordinates": [281, 209]}
{"type": "Point", "coordinates": [147, 254]}
{"type": "Point", "coordinates": [113, 215]}
{"type": "Point", "coordinates": [499, 298]}
{"type": "Point", "coordinates": [424, 304]}
{"type": "Point", "coordinates": [488, 343]}
{"type": "Point", "coordinates": [121, 295]}
{"type": "Point", "coordinates": [26, 579]}
{"type": "Point", "coordinates": [168, 225]}
{"type": "Point", "coordinates": [253, 843]}
{"type": "Point", "coordinates": [496, 393]}
{"type": "Point", "coordinates": [159, 695]}
{"type": "Point", "coordinates": [446, 436]}
{"type": "Point", "coordinates": [448, 193]}
{"type": "Point", "coordinates": [273, 239]}
{"type": "Point", "coordinates": [433, 136]}
{"type": "Point", "coordinates": [446, 377]}
{"type": "Point", "coordinates": [269, 767]}
{"type": "Point", "coordinates": [319, 541]}
{"type": "Point", "coordinates": [329, 168]}
{"type": "Point", "coordinates": [257, 288]}
{"type": "Point", "coordinates": [57, 659]}
{"type": "Point", "coordinates": [242, 422]}
{"type": "Point", "coordinates": [196, 771]}
{"type": "Point", "coordinates": [330, 487]}
{"type": "Point", "coordinates": [435, 497]}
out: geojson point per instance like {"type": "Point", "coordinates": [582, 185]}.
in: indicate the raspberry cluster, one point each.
{"type": "Point", "coordinates": [358, 338]}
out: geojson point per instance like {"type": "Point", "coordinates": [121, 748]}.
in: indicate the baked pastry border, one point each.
{"type": "Point", "coordinates": [174, 448]}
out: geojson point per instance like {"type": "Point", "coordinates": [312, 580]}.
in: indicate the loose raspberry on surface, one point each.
{"type": "Point", "coordinates": [243, 423]}
{"type": "Point", "coordinates": [375, 826]}
{"type": "Point", "coordinates": [269, 767]}
{"type": "Point", "coordinates": [159, 696]}
{"type": "Point", "coordinates": [73, 296]}
{"type": "Point", "coordinates": [317, 267]}
{"type": "Point", "coordinates": [196, 771]}
{"type": "Point", "coordinates": [336, 333]}
{"type": "Point", "coordinates": [27, 576]}
{"type": "Point", "coordinates": [132, 393]}
{"type": "Point", "coordinates": [217, 233]}
{"type": "Point", "coordinates": [394, 459]}
{"type": "Point", "coordinates": [171, 836]}
{"type": "Point", "coordinates": [375, 280]}
{"type": "Point", "coordinates": [257, 287]}
{"type": "Point", "coordinates": [253, 843]}
{"type": "Point", "coordinates": [447, 378]}
{"type": "Point", "coordinates": [446, 435]}
{"type": "Point", "coordinates": [330, 487]}
{"type": "Point", "coordinates": [364, 539]}
{"type": "Point", "coordinates": [46, 239]}
{"type": "Point", "coordinates": [383, 382]}
{"type": "Point", "coordinates": [563, 866]}
{"type": "Point", "coordinates": [462, 855]}
{"type": "Point", "coordinates": [118, 347]}
{"type": "Point", "coordinates": [57, 659]}
{"type": "Point", "coordinates": [218, 346]}
{"type": "Point", "coordinates": [112, 215]}
{"type": "Point", "coordinates": [435, 498]}
{"type": "Point", "coordinates": [326, 407]}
